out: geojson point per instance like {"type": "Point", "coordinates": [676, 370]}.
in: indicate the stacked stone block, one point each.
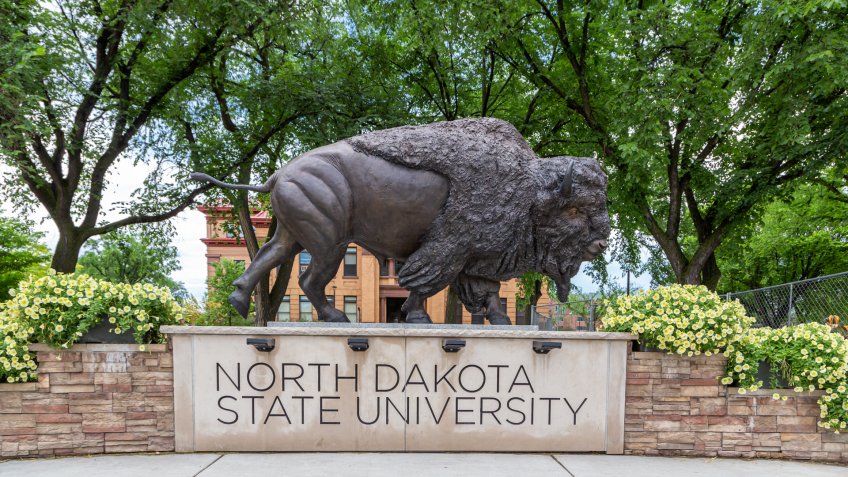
{"type": "Point", "coordinates": [675, 405]}
{"type": "Point", "coordinates": [91, 399]}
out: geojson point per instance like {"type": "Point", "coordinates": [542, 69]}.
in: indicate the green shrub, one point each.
{"type": "Point", "coordinates": [57, 309]}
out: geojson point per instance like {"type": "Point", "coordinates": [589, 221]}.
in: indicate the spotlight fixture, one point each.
{"type": "Point", "coordinates": [545, 347]}
{"type": "Point", "coordinates": [358, 344]}
{"type": "Point", "coordinates": [262, 344]}
{"type": "Point", "coordinates": [453, 346]}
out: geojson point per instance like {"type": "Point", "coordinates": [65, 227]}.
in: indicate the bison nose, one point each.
{"type": "Point", "coordinates": [602, 244]}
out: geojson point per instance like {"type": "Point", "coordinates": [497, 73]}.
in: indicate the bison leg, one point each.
{"type": "Point", "coordinates": [478, 292]}
{"type": "Point", "coordinates": [315, 279]}
{"type": "Point", "coordinates": [414, 309]}
{"type": "Point", "coordinates": [494, 313]}
{"type": "Point", "coordinates": [280, 248]}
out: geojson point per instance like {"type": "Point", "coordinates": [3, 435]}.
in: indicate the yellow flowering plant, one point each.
{"type": "Point", "coordinates": [682, 319]}
{"type": "Point", "coordinates": [58, 309]}
{"type": "Point", "coordinates": [16, 362]}
{"type": "Point", "coordinates": [809, 357]}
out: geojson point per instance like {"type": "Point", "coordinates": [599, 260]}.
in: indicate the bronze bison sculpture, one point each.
{"type": "Point", "coordinates": [465, 203]}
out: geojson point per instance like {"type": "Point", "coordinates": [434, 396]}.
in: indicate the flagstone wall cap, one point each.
{"type": "Point", "coordinates": [101, 347]}
{"type": "Point", "coordinates": [451, 331]}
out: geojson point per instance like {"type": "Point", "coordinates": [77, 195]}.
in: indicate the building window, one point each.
{"type": "Point", "coordinates": [503, 305]}
{"type": "Point", "coordinates": [240, 262]}
{"type": "Point", "coordinates": [384, 268]}
{"type": "Point", "coordinates": [350, 262]}
{"type": "Point", "coordinates": [305, 260]}
{"type": "Point", "coordinates": [350, 308]}
{"type": "Point", "coordinates": [331, 300]}
{"type": "Point", "coordinates": [398, 266]}
{"type": "Point", "coordinates": [284, 313]}
{"type": "Point", "coordinates": [305, 309]}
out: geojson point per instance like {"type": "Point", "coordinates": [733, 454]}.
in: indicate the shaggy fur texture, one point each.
{"type": "Point", "coordinates": [506, 213]}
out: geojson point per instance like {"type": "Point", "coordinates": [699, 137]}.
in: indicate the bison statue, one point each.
{"type": "Point", "coordinates": [464, 203]}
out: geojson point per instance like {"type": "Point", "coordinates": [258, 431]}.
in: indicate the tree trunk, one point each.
{"type": "Point", "coordinates": [711, 274]}
{"type": "Point", "coordinates": [534, 300]}
{"type": "Point", "coordinates": [262, 300]}
{"type": "Point", "coordinates": [451, 308]}
{"type": "Point", "coordinates": [67, 252]}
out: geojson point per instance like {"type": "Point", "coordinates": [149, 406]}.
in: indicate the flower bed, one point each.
{"type": "Point", "coordinates": [809, 356]}
{"type": "Point", "coordinates": [683, 319]}
{"type": "Point", "coordinates": [57, 309]}
{"type": "Point", "coordinates": [690, 320]}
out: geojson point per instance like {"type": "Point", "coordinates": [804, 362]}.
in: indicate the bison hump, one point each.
{"type": "Point", "coordinates": [453, 148]}
{"type": "Point", "coordinates": [492, 186]}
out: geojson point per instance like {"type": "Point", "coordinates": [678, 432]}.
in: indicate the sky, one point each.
{"type": "Point", "coordinates": [190, 226]}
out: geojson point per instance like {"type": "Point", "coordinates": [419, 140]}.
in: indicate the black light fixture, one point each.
{"type": "Point", "coordinates": [453, 346]}
{"type": "Point", "coordinates": [358, 344]}
{"type": "Point", "coordinates": [262, 344]}
{"type": "Point", "coordinates": [545, 347]}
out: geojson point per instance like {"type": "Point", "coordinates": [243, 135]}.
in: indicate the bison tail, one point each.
{"type": "Point", "coordinates": [201, 177]}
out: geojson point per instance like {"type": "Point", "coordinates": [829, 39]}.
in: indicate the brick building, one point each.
{"type": "Point", "coordinates": [362, 288]}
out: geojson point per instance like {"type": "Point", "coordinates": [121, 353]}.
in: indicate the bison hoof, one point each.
{"type": "Point", "coordinates": [418, 317]}
{"type": "Point", "coordinates": [333, 316]}
{"type": "Point", "coordinates": [499, 320]}
{"type": "Point", "coordinates": [240, 303]}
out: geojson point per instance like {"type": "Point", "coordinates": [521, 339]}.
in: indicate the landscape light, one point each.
{"type": "Point", "coordinates": [262, 344]}
{"type": "Point", "coordinates": [358, 344]}
{"type": "Point", "coordinates": [545, 347]}
{"type": "Point", "coordinates": [453, 346]}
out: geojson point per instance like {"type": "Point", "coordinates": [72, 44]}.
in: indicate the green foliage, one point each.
{"type": "Point", "coordinates": [57, 309]}
{"type": "Point", "coordinates": [683, 319]}
{"type": "Point", "coordinates": [805, 236]}
{"type": "Point", "coordinates": [809, 356]}
{"type": "Point", "coordinates": [84, 84]}
{"type": "Point", "coordinates": [701, 112]}
{"type": "Point", "coordinates": [21, 254]}
{"type": "Point", "coordinates": [527, 288]}
{"type": "Point", "coordinates": [127, 257]}
{"type": "Point", "coordinates": [725, 105]}
{"type": "Point", "coordinates": [219, 312]}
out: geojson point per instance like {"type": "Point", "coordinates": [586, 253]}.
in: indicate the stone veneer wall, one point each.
{"type": "Point", "coordinates": [95, 399]}
{"type": "Point", "coordinates": [676, 406]}
{"type": "Point", "coordinates": [91, 399]}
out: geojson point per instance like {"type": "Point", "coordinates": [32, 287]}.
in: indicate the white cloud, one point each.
{"type": "Point", "coordinates": [191, 227]}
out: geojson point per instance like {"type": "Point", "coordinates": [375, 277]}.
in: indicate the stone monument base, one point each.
{"type": "Point", "coordinates": [344, 387]}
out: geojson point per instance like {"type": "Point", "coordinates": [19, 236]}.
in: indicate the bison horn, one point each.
{"type": "Point", "coordinates": [565, 186]}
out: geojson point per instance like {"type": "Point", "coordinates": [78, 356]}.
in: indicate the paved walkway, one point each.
{"type": "Point", "coordinates": [408, 465]}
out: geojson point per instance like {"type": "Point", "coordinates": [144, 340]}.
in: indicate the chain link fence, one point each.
{"type": "Point", "coordinates": [804, 301]}
{"type": "Point", "coordinates": [571, 316]}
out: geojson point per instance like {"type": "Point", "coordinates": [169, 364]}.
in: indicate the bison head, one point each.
{"type": "Point", "coordinates": [571, 218]}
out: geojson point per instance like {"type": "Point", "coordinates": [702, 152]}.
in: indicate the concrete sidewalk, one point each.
{"type": "Point", "coordinates": [408, 465]}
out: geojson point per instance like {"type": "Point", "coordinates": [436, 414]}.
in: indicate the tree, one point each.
{"type": "Point", "coordinates": [804, 236]}
{"type": "Point", "coordinates": [86, 84]}
{"type": "Point", "coordinates": [134, 256]}
{"type": "Point", "coordinates": [219, 312]}
{"type": "Point", "coordinates": [21, 253]}
{"type": "Point", "coordinates": [699, 111]}
{"type": "Point", "coordinates": [281, 92]}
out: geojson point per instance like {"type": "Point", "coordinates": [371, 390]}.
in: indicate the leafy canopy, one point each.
{"type": "Point", "coordinates": [21, 253]}
{"type": "Point", "coordinates": [140, 255]}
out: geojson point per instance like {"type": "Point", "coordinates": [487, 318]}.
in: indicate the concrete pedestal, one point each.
{"type": "Point", "coordinates": [313, 392]}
